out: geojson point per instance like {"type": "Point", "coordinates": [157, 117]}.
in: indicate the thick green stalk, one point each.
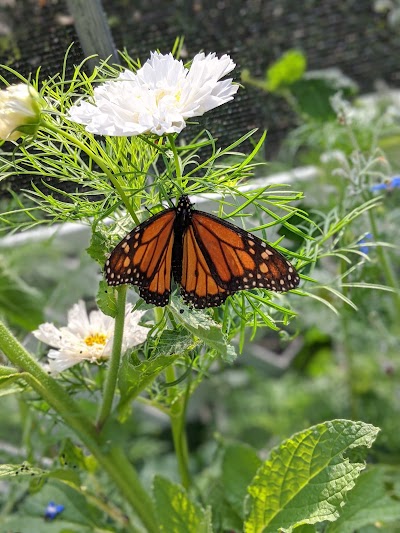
{"type": "Point", "coordinates": [112, 460]}
{"type": "Point", "coordinates": [114, 364]}
{"type": "Point", "coordinates": [47, 386]}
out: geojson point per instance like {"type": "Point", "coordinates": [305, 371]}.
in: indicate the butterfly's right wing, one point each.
{"type": "Point", "coordinates": [220, 259]}
{"type": "Point", "coordinates": [143, 258]}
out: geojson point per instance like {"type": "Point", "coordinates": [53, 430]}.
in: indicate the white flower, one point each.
{"type": "Point", "coordinates": [158, 98]}
{"type": "Point", "coordinates": [88, 338]}
{"type": "Point", "coordinates": [19, 111]}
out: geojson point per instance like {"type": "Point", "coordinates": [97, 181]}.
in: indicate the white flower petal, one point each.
{"type": "Point", "coordinates": [88, 337]}
{"type": "Point", "coordinates": [158, 98]}
{"type": "Point", "coordinates": [49, 334]}
{"type": "Point", "coordinates": [60, 361]}
{"type": "Point", "coordinates": [19, 111]}
{"type": "Point", "coordinates": [78, 321]}
{"type": "Point", "coordinates": [133, 333]}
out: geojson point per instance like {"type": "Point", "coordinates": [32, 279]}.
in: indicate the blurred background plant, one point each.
{"type": "Point", "coordinates": [341, 364]}
{"type": "Point", "coordinates": [346, 363]}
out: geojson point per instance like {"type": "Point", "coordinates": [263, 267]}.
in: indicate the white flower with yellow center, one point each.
{"type": "Point", "coordinates": [19, 111]}
{"type": "Point", "coordinates": [88, 337]}
{"type": "Point", "coordinates": [158, 98]}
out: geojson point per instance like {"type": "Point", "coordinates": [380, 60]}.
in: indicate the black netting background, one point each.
{"type": "Point", "coordinates": [349, 34]}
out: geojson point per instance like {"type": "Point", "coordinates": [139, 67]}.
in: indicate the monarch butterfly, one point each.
{"type": "Point", "coordinates": [209, 258]}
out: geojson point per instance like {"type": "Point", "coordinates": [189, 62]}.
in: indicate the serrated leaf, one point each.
{"type": "Point", "coordinates": [200, 324]}
{"type": "Point", "coordinates": [74, 456]}
{"type": "Point", "coordinates": [374, 499]}
{"type": "Point", "coordinates": [176, 513]}
{"type": "Point", "coordinates": [132, 378]}
{"type": "Point", "coordinates": [239, 465]}
{"type": "Point", "coordinates": [23, 469]}
{"type": "Point", "coordinates": [174, 341]}
{"type": "Point", "coordinates": [26, 470]}
{"type": "Point", "coordinates": [96, 247]}
{"type": "Point", "coordinates": [106, 300]}
{"type": "Point", "coordinates": [135, 375]}
{"type": "Point", "coordinates": [306, 478]}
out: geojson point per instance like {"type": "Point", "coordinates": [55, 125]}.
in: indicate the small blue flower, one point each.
{"type": "Point", "coordinates": [52, 510]}
{"type": "Point", "coordinates": [379, 187]}
{"type": "Point", "coordinates": [395, 182]}
{"type": "Point", "coordinates": [367, 237]}
{"type": "Point", "coordinates": [387, 185]}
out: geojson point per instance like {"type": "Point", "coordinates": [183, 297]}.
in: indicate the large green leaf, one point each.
{"type": "Point", "coordinates": [176, 513]}
{"type": "Point", "coordinates": [306, 478]}
{"type": "Point", "coordinates": [314, 91]}
{"type": "Point", "coordinates": [375, 499]}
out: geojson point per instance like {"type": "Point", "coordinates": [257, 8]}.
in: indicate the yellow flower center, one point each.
{"type": "Point", "coordinates": [96, 338]}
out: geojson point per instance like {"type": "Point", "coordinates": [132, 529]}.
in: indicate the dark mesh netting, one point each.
{"type": "Point", "coordinates": [349, 34]}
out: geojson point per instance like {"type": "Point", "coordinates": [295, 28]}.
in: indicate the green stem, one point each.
{"type": "Point", "coordinates": [114, 364]}
{"type": "Point", "coordinates": [177, 413]}
{"type": "Point", "coordinates": [177, 161]}
{"type": "Point", "coordinates": [99, 161]}
{"type": "Point", "coordinates": [112, 460]}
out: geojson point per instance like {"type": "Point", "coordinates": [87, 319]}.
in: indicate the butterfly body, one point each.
{"type": "Point", "coordinates": [208, 257]}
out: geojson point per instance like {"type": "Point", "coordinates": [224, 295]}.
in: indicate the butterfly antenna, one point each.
{"type": "Point", "coordinates": [167, 195]}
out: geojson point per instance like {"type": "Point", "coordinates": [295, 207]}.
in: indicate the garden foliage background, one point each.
{"type": "Point", "coordinates": [326, 365]}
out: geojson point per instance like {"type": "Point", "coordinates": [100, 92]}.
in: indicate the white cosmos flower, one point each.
{"type": "Point", "coordinates": [19, 111]}
{"type": "Point", "coordinates": [88, 337]}
{"type": "Point", "coordinates": [158, 98]}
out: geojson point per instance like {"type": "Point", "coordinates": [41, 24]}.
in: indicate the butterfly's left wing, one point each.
{"type": "Point", "coordinates": [144, 258]}
{"type": "Point", "coordinates": [220, 258]}
{"type": "Point", "coordinates": [198, 285]}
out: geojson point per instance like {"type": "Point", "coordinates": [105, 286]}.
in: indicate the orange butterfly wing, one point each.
{"type": "Point", "coordinates": [198, 285]}
{"type": "Point", "coordinates": [220, 259]}
{"type": "Point", "coordinates": [209, 257]}
{"type": "Point", "coordinates": [144, 258]}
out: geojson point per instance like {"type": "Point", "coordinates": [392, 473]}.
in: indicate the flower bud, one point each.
{"type": "Point", "coordinates": [19, 111]}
